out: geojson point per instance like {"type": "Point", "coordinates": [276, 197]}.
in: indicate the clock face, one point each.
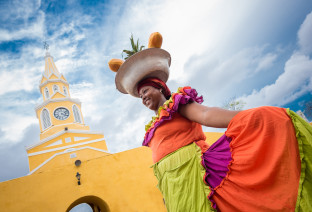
{"type": "Point", "coordinates": [61, 113]}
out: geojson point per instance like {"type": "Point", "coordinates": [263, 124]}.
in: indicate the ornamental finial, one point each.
{"type": "Point", "coordinates": [45, 45]}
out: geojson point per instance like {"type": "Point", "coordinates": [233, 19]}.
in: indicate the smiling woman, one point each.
{"type": "Point", "coordinates": [152, 97]}
{"type": "Point", "coordinates": [153, 93]}
{"type": "Point", "coordinates": [261, 163]}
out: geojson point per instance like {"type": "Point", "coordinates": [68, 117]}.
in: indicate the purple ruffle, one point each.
{"type": "Point", "coordinates": [192, 93]}
{"type": "Point", "coordinates": [216, 160]}
{"type": "Point", "coordinates": [179, 98]}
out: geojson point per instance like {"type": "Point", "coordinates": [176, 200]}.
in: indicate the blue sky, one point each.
{"type": "Point", "coordinates": [256, 51]}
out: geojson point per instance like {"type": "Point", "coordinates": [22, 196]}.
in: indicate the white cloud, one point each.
{"type": "Point", "coordinates": [88, 94]}
{"type": "Point", "coordinates": [14, 125]}
{"type": "Point", "coordinates": [32, 30]}
{"type": "Point", "coordinates": [15, 77]}
{"type": "Point", "coordinates": [13, 156]}
{"type": "Point", "coordinates": [266, 62]}
{"type": "Point", "coordinates": [293, 83]}
{"type": "Point", "coordinates": [305, 35]}
{"type": "Point", "coordinates": [15, 9]}
{"type": "Point", "coordinates": [23, 72]}
{"type": "Point", "coordinates": [219, 77]}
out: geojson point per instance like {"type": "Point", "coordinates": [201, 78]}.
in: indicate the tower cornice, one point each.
{"type": "Point", "coordinates": [52, 80]}
{"type": "Point", "coordinates": [38, 107]}
{"type": "Point", "coordinates": [59, 134]}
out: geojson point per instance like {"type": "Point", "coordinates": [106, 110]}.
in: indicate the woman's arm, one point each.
{"type": "Point", "coordinates": [207, 116]}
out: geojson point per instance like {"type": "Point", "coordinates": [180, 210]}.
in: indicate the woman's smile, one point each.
{"type": "Point", "coordinates": [147, 101]}
{"type": "Point", "coordinates": [151, 97]}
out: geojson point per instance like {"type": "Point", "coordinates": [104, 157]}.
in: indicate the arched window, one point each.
{"type": "Point", "coordinates": [55, 88]}
{"type": "Point", "coordinates": [76, 114]}
{"type": "Point", "coordinates": [46, 91]}
{"type": "Point", "coordinates": [46, 122]}
{"type": "Point", "coordinates": [82, 207]}
{"type": "Point", "coordinates": [95, 203]}
{"type": "Point", "coordinates": [65, 90]}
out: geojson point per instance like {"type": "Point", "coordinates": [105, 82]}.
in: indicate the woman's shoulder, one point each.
{"type": "Point", "coordinates": [184, 95]}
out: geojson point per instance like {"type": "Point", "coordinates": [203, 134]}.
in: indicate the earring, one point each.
{"type": "Point", "coordinates": [160, 91]}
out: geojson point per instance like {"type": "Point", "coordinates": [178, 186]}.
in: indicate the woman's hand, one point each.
{"type": "Point", "coordinates": [207, 116]}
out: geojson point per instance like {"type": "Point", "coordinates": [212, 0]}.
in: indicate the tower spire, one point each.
{"type": "Point", "coordinates": [50, 68]}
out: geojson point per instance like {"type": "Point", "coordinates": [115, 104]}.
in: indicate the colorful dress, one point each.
{"type": "Point", "coordinates": [263, 162]}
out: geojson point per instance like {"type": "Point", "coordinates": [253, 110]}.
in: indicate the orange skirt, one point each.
{"type": "Point", "coordinates": [265, 168]}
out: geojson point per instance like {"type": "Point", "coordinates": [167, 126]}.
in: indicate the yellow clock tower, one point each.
{"type": "Point", "coordinates": [63, 133]}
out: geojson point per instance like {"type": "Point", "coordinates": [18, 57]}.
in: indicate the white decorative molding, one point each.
{"type": "Point", "coordinates": [60, 153]}
{"type": "Point", "coordinates": [58, 142]}
{"type": "Point", "coordinates": [57, 100]}
{"type": "Point", "coordinates": [51, 80]}
{"type": "Point", "coordinates": [68, 139]}
{"type": "Point", "coordinates": [80, 138]}
{"type": "Point", "coordinates": [51, 97]}
{"type": "Point", "coordinates": [61, 133]}
{"type": "Point", "coordinates": [68, 124]}
{"type": "Point", "coordinates": [65, 147]}
{"type": "Point", "coordinates": [55, 70]}
{"type": "Point", "coordinates": [70, 150]}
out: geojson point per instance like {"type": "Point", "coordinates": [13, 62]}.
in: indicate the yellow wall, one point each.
{"type": "Point", "coordinates": [43, 79]}
{"type": "Point", "coordinates": [63, 78]}
{"type": "Point", "coordinates": [212, 137]}
{"type": "Point", "coordinates": [124, 181]}
{"type": "Point", "coordinates": [65, 159]}
{"type": "Point", "coordinates": [36, 160]}
{"type": "Point", "coordinates": [53, 76]}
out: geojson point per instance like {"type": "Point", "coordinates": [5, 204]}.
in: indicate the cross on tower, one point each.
{"type": "Point", "coordinates": [45, 45]}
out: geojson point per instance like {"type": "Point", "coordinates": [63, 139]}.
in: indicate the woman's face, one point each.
{"type": "Point", "coordinates": [151, 97]}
